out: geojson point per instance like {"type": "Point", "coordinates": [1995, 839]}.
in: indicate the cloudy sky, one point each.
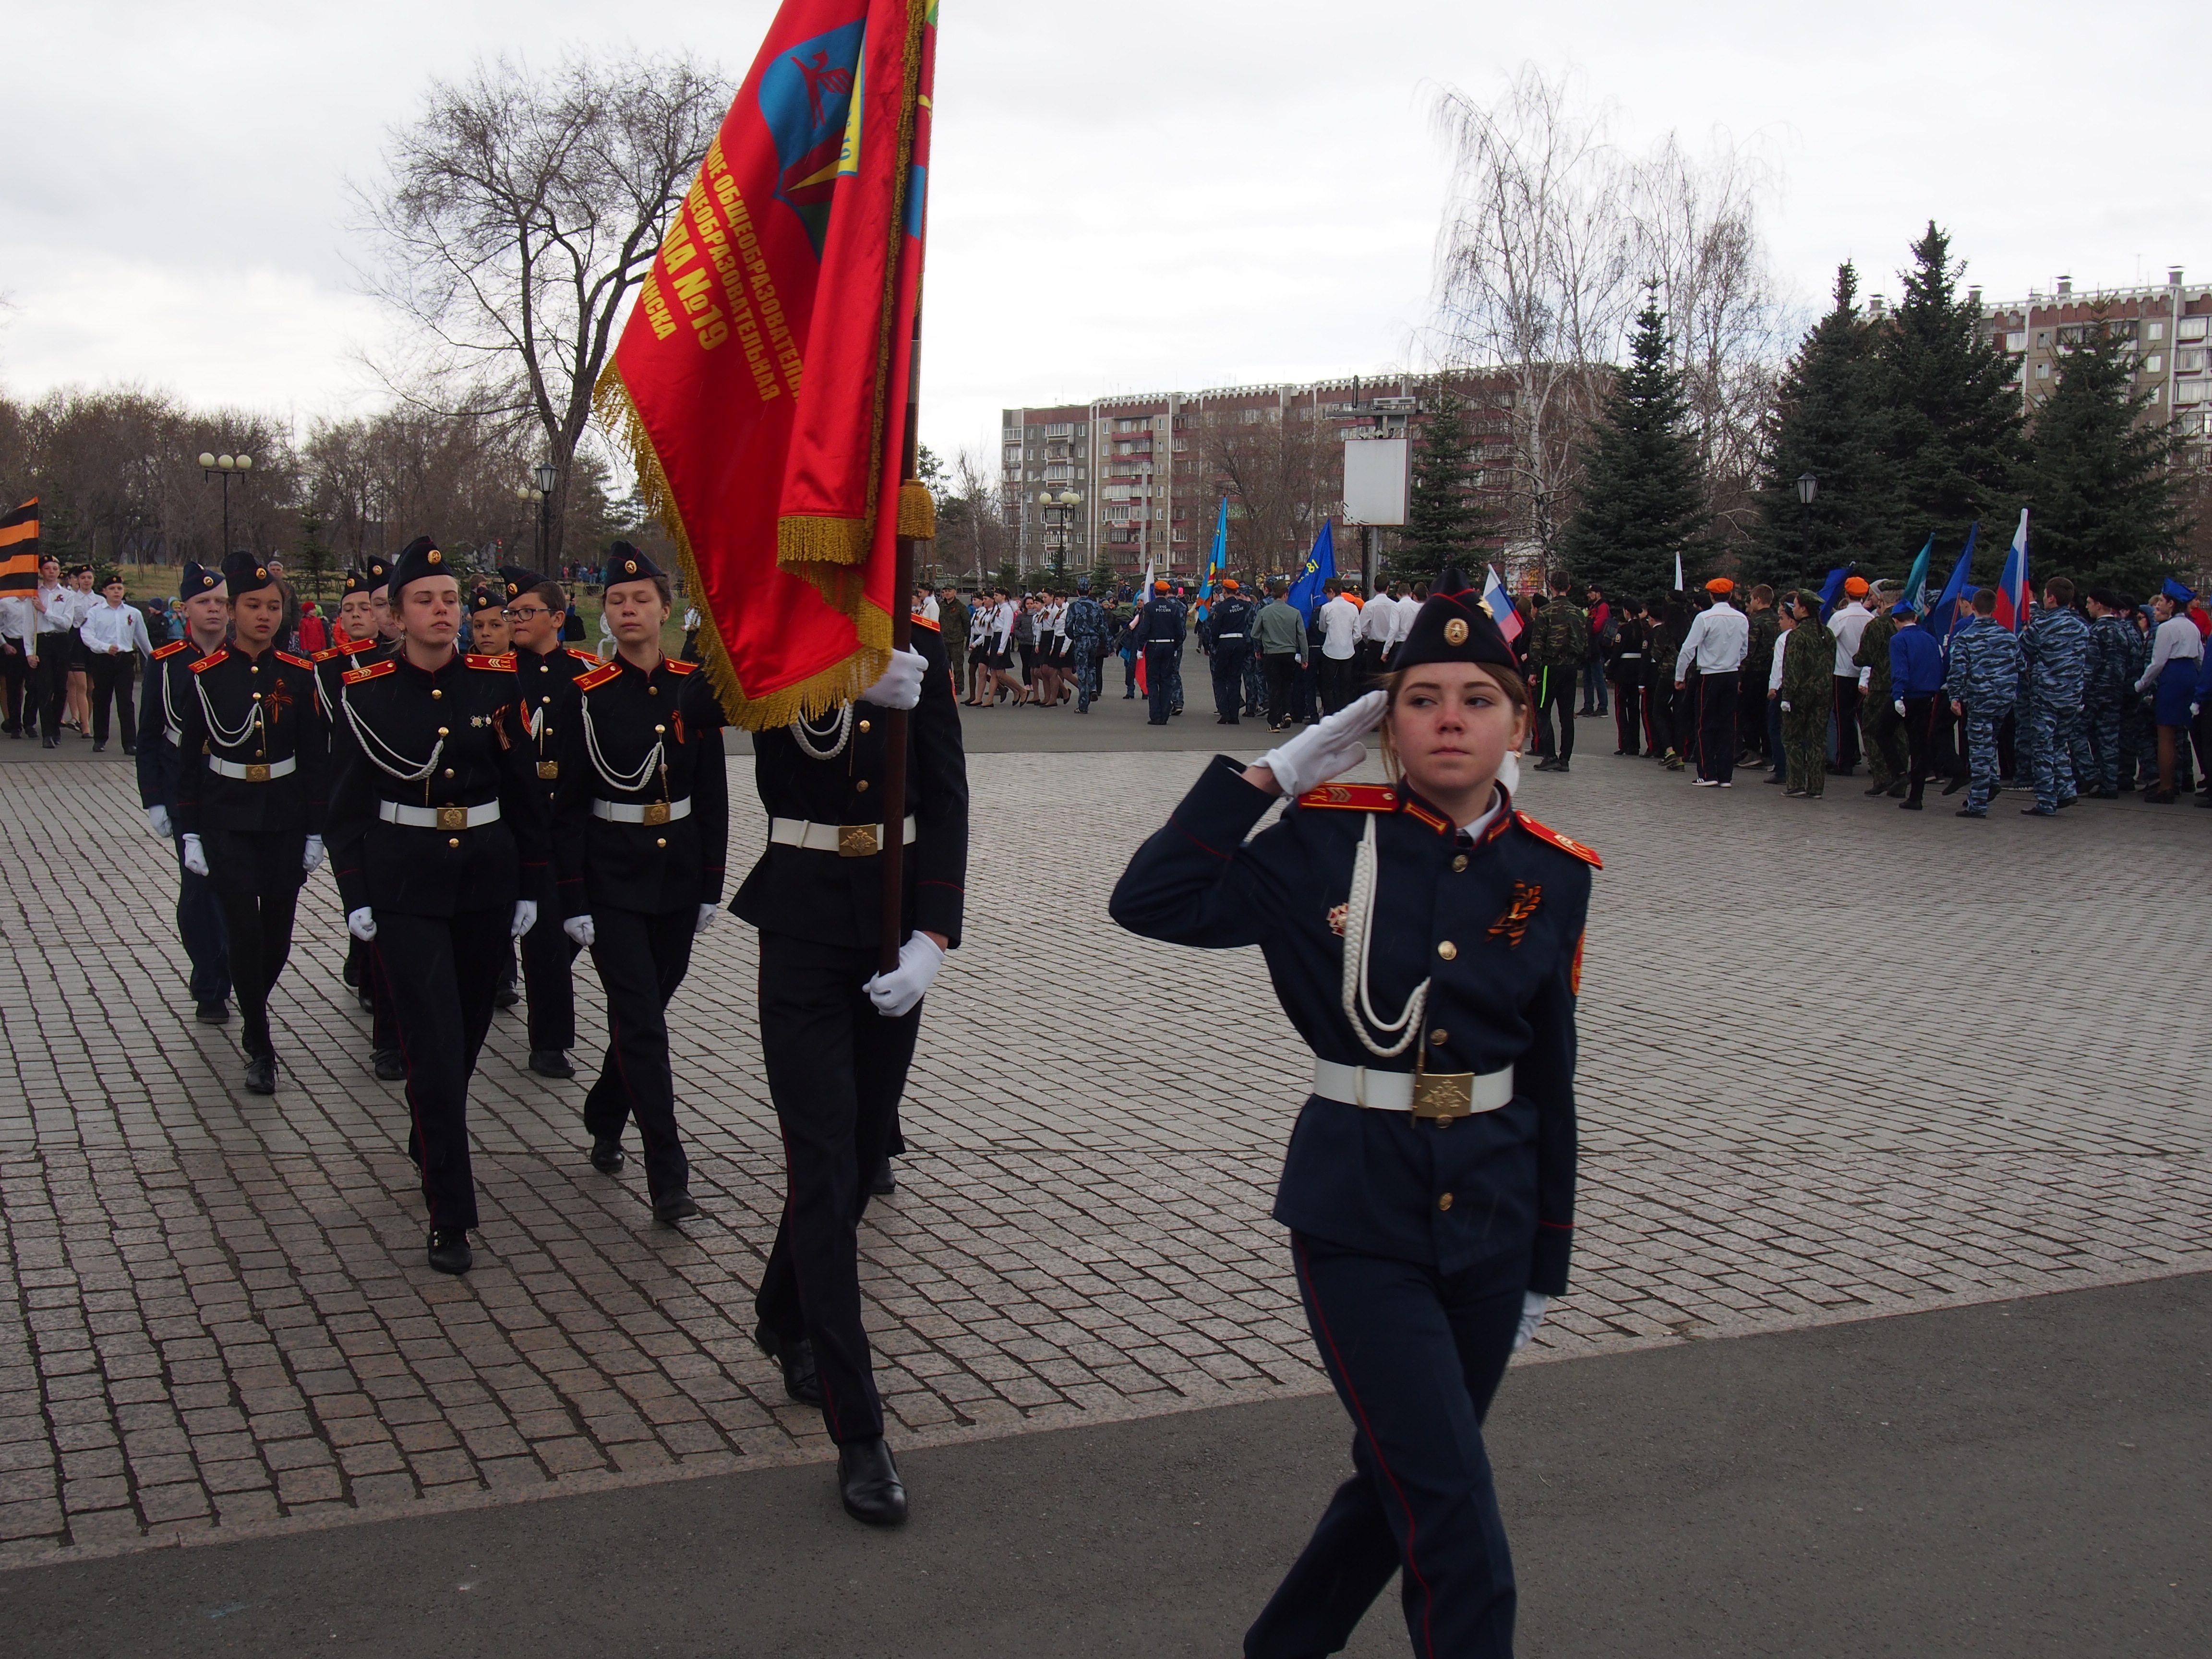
{"type": "Point", "coordinates": [1163, 193]}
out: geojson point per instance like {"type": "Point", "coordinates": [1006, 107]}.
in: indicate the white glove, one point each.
{"type": "Point", "coordinates": [900, 684]}
{"type": "Point", "coordinates": [526, 918]}
{"type": "Point", "coordinates": [195, 855]}
{"type": "Point", "coordinates": [157, 820]}
{"type": "Point", "coordinates": [707, 915]}
{"type": "Point", "coordinates": [1321, 752]}
{"type": "Point", "coordinates": [579, 929]}
{"type": "Point", "coordinates": [1786, 704]}
{"type": "Point", "coordinates": [362, 923]}
{"type": "Point", "coordinates": [312, 859]}
{"type": "Point", "coordinates": [896, 993]}
{"type": "Point", "coordinates": [1898, 705]}
{"type": "Point", "coordinates": [1532, 1314]}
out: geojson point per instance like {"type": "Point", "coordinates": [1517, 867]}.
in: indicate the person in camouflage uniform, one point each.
{"type": "Point", "coordinates": [1808, 672]}
{"type": "Point", "coordinates": [1983, 685]}
{"type": "Point", "coordinates": [2057, 646]}
{"type": "Point", "coordinates": [1881, 729]}
{"type": "Point", "coordinates": [2108, 679]}
{"type": "Point", "coordinates": [1558, 640]}
{"type": "Point", "coordinates": [1089, 630]}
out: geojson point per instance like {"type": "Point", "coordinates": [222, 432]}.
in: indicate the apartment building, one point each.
{"type": "Point", "coordinates": [2166, 324]}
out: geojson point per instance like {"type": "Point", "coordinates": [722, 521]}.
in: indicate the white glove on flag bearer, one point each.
{"type": "Point", "coordinates": [900, 685]}
{"type": "Point", "coordinates": [1323, 751]}
{"type": "Point", "coordinates": [896, 993]}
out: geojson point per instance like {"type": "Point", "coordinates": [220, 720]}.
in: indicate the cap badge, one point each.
{"type": "Point", "coordinates": [436, 557]}
{"type": "Point", "coordinates": [629, 567]}
{"type": "Point", "coordinates": [1455, 631]}
{"type": "Point", "coordinates": [260, 574]}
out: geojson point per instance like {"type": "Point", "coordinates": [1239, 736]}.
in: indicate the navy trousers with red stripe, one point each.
{"type": "Point", "coordinates": [1415, 1356]}
{"type": "Point", "coordinates": [1717, 726]}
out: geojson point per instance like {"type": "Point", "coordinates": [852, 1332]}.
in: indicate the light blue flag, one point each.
{"type": "Point", "coordinates": [1216, 557]}
{"type": "Point", "coordinates": [1915, 580]}
{"type": "Point", "coordinates": [1320, 567]}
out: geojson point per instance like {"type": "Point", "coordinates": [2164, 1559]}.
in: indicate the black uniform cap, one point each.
{"type": "Point", "coordinates": [517, 582]}
{"type": "Point", "coordinates": [197, 579]}
{"type": "Point", "coordinates": [246, 573]}
{"type": "Point", "coordinates": [486, 596]}
{"type": "Point", "coordinates": [1454, 626]}
{"type": "Point", "coordinates": [356, 582]}
{"type": "Point", "coordinates": [418, 559]}
{"type": "Point", "coordinates": [377, 574]}
{"type": "Point", "coordinates": [626, 564]}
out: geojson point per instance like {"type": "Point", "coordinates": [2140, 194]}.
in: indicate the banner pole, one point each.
{"type": "Point", "coordinates": [892, 935]}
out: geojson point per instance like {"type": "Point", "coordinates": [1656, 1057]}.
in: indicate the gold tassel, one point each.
{"type": "Point", "coordinates": [805, 540]}
{"type": "Point", "coordinates": [917, 511]}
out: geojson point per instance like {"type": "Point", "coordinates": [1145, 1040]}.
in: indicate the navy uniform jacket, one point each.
{"type": "Point", "coordinates": [337, 660]}
{"type": "Point", "coordinates": [1160, 622]}
{"type": "Point", "coordinates": [168, 688]}
{"type": "Point", "coordinates": [395, 715]}
{"type": "Point", "coordinates": [541, 686]}
{"type": "Point", "coordinates": [1510, 908]}
{"type": "Point", "coordinates": [653, 868]}
{"type": "Point", "coordinates": [291, 727]}
{"type": "Point", "coordinates": [829, 899]}
{"type": "Point", "coordinates": [1230, 622]}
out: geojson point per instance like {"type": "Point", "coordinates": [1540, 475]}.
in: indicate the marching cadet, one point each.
{"type": "Point", "coordinates": [641, 830]}
{"type": "Point", "coordinates": [438, 841]}
{"type": "Point", "coordinates": [358, 643]}
{"type": "Point", "coordinates": [1228, 628]}
{"type": "Point", "coordinates": [1425, 940]}
{"type": "Point", "coordinates": [1159, 633]}
{"type": "Point", "coordinates": [206, 606]}
{"type": "Point", "coordinates": [544, 669]}
{"type": "Point", "coordinates": [487, 637]}
{"type": "Point", "coordinates": [837, 1034]}
{"type": "Point", "coordinates": [255, 753]}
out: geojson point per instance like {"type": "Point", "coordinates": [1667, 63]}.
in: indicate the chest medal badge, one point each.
{"type": "Point", "coordinates": [1520, 907]}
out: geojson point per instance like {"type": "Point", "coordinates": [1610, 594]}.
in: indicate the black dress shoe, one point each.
{"type": "Point", "coordinates": [1878, 789]}
{"type": "Point", "coordinates": [677, 1206]}
{"type": "Point", "coordinates": [607, 1153]}
{"type": "Point", "coordinates": [387, 1064]}
{"type": "Point", "coordinates": [550, 1062]}
{"type": "Point", "coordinates": [261, 1074]}
{"type": "Point", "coordinates": [212, 1011]}
{"type": "Point", "coordinates": [99, 749]}
{"type": "Point", "coordinates": [796, 1356]}
{"type": "Point", "coordinates": [505, 996]}
{"type": "Point", "coordinates": [869, 1482]}
{"type": "Point", "coordinates": [1955, 786]}
{"type": "Point", "coordinates": [1908, 806]}
{"type": "Point", "coordinates": [2108, 794]}
{"type": "Point", "coordinates": [449, 1251]}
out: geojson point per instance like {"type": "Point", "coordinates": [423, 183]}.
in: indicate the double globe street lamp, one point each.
{"type": "Point", "coordinates": [543, 477]}
{"type": "Point", "coordinates": [225, 467]}
{"type": "Point", "coordinates": [1058, 517]}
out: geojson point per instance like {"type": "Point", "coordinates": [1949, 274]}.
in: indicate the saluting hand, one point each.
{"type": "Point", "coordinates": [1321, 752]}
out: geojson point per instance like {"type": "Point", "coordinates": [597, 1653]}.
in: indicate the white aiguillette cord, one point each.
{"type": "Point", "coordinates": [1359, 921]}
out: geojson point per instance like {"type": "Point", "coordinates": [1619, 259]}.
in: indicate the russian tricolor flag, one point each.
{"type": "Point", "coordinates": [1499, 604]}
{"type": "Point", "coordinates": [2012, 580]}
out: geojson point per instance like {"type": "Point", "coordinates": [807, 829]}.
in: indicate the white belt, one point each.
{"type": "Point", "coordinates": [651, 812]}
{"type": "Point", "coordinates": [254, 772]}
{"type": "Point", "coordinates": [1439, 1094]}
{"type": "Point", "coordinates": [438, 817]}
{"type": "Point", "coordinates": [850, 840]}
{"type": "Point", "coordinates": [1228, 636]}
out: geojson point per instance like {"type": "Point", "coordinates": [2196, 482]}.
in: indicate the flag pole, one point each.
{"type": "Point", "coordinates": [891, 936]}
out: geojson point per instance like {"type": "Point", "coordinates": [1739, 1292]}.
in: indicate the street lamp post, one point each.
{"type": "Point", "coordinates": [1058, 517]}
{"type": "Point", "coordinates": [225, 467]}
{"type": "Point", "coordinates": [1807, 488]}
{"type": "Point", "coordinates": [540, 490]}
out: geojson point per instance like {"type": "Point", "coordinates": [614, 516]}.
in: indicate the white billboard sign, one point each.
{"type": "Point", "coordinates": [1376, 476]}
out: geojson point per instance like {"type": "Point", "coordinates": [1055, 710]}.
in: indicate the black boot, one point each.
{"type": "Point", "coordinates": [883, 1183]}
{"type": "Point", "coordinates": [796, 1356]}
{"type": "Point", "coordinates": [606, 1153]}
{"type": "Point", "coordinates": [261, 1074]}
{"type": "Point", "coordinates": [449, 1251]}
{"type": "Point", "coordinates": [550, 1062]}
{"type": "Point", "coordinates": [388, 1064]}
{"type": "Point", "coordinates": [677, 1206]}
{"type": "Point", "coordinates": [211, 1011]}
{"type": "Point", "coordinates": [869, 1482]}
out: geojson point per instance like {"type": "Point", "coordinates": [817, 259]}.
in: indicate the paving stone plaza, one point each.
{"type": "Point", "coordinates": [1838, 1060]}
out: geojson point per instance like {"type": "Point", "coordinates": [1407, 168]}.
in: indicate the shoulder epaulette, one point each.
{"type": "Point", "coordinates": [330, 651]}
{"type": "Point", "coordinates": [211, 659]}
{"type": "Point", "coordinates": [296, 662]}
{"type": "Point", "coordinates": [677, 666]}
{"type": "Point", "coordinates": [170, 649]}
{"type": "Point", "coordinates": [371, 672]}
{"type": "Point", "coordinates": [1565, 843]}
{"type": "Point", "coordinates": [582, 655]}
{"type": "Point", "coordinates": [920, 621]}
{"type": "Point", "coordinates": [597, 678]}
{"type": "Point", "coordinates": [502, 664]}
{"type": "Point", "coordinates": [1352, 797]}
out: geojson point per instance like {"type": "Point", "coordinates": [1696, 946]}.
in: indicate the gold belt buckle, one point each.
{"type": "Point", "coordinates": [856, 841]}
{"type": "Point", "coordinates": [656, 811]}
{"type": "Point", "coordinates": [256, 772]}
{"type": "Point", "coordinates": [1443, 1095]}
{"type": "Point", "coordinates": [453, 818]}
{"type": "Point", "coordinates": [548, 771]}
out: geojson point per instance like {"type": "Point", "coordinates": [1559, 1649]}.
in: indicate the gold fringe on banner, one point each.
{"type": "Point", "coordinates": [803, 539]}
{"type": "Point", "coordinates": [917, 517]}
{"type": "Point", "coordinates": [819, 694]}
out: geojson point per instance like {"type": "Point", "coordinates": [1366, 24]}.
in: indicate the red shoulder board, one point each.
{"type": "Point", "coordinates": [1565, 843]}
{"type": "Point", "coordinates": [1352, 797]}
{"type": "Point", "coordinates": [296, 662]}
{"type": "Point", "coordinates": [582, 655]}
{"type": "Point", "coordinates": [211, 659]}
{"type": "Point", "coordinates": [502, 664]}
{"type": "Point", "coordinates": [677, 666]}
{"type": "Point", "coordinates": [599, 677]}
{"type": "Point", "coordinates": [170, 649]}
{"type": "Point", "coordinates": [920, 621]}
{"type": "Point", "coordinates": [330, 651]}
{"type": "Point", "coordinates": [371, 672]}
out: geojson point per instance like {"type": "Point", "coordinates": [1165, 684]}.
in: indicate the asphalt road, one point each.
{"type": "Point", "coordinates": [2017, 1478]}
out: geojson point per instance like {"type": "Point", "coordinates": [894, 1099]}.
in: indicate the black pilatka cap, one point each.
{"type": "Point", "coordinates": [197, 580]}
{"type": "Point", "coordinates": [418, 559]}
{"type": "Point", "coordinates": [517, 581]}
{"type": "Point", "coordinates": [1453, 626]}
{"type": "Point", "coordinates": [626, 564]}
{"type": "Point", "coordinates": [356, 582]}
{"type": "Point", "coordinates": [377, 572]}
{"type": "Point", "coordinates": [246, 572]}
{"type": "Point", "coordinates": [486, 596]}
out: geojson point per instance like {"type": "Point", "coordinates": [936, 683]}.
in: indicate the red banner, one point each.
{"type": "Point", "coordinates": [761, 381]}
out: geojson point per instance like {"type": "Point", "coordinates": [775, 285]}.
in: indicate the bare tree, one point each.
{"type": "Point", "coordinates": [972, 537]}
{"type": "Point", "coordinates": [520, 210]}
{"type": "Point", "coordinates": [1282, 469]}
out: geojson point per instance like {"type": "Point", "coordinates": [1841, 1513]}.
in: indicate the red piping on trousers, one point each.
{"type": "Point", "coordinates": [1428, 1596]}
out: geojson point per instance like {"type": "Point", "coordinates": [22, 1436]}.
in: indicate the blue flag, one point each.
{"type": "Point", "coordinates": [1217, 556]}
{"type": "Point", "coordinates": [1829, 588]}
{"type": "Point", "coordinates": [1943, 616]}
{"type": "Point", "coordinates": [1320, 567]}
{"type": "Point", "coordinates": [1915, 580]}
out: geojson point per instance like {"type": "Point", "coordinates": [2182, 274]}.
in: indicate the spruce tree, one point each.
{"type": "Point", "coordinates": [1953, 445]}
{"type": "Point", "coordinates": [1641, 500]}
{"type": "Point", "coordinates": [1447, 522]}
{"type": "Point", "coordinates": [1827, 421]}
